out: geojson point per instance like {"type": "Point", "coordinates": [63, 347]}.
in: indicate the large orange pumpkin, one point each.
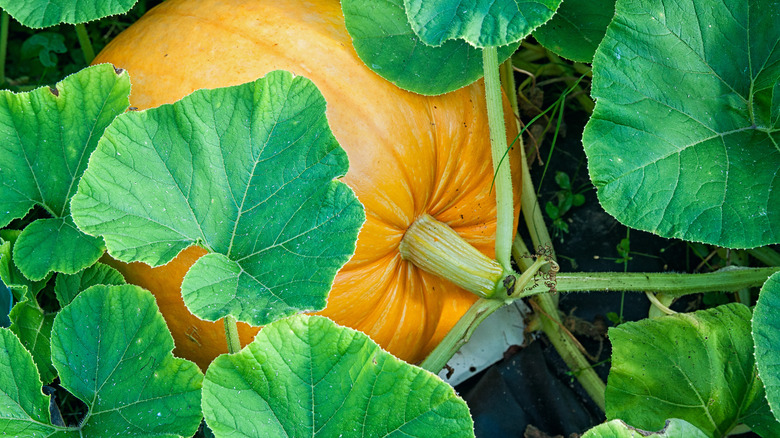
{"type": "Point", "coordinates": [409, 155]}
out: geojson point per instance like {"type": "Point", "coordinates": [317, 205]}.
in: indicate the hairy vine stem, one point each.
{"type": "Point", "coordinates": [548, 303]}
{"type": "Point", "coordinates": [231, 334]}
{"type": "Point", "coordinates": [85, 42]}
{"type": "Point", "coordinates": [501, 170]}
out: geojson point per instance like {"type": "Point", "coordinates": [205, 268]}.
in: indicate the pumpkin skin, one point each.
{"type": "Point", "coordinates": [409, 155]}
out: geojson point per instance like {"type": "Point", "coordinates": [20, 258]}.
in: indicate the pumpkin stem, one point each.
{"type": "Point", "coordinates": [436, 248]}
{"type": "Point", "coordinates": [464, 328]}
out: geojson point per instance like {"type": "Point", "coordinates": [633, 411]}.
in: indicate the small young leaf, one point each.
{"type": "Point", "coordinates": [66, 287]}
{"type": "Point", "coordinates": [24, 410]}
{"type": "Point", "coordinates": [563, 180]}
{"type": "Point", "coordinates": [578, 200]}
{"type": "Point", "coordinates": [33, 327]}
{"type": "Point", "coordinates": [385, 41]}
{"type": "Point", "coordinates": [21, 286]}
{"type": "Point", "coordinates": [44, 45]}
{"type": "Point", "coordinates": [483, 23]}
{"type": "Point", "coordinates": [674, 428]}
{"type": "Point", "coordinates": [551, 210]}
{"type": "Point", "coordinates": [306, 376]}
{"type": "Point", "coordinates": [246, 172]}
{"type": "Point", "coordinates": [45, 13]}
{"type": "Point", "coordinates": [46, 138]}
{"type": "Point", "coordinates": [113, 351]}
{"type": "Point", "coordinates": [577, 28]}
{"type": "Point", "coordinates": [565, 199]}
{"type": "Point", "coordinates": [683, 141]}
{"type": "Point", "coordinates": [766, 336]}
{"type": "Point", "coordinates": [55, 245]}
{"type": "Point", "coordinates": [698, 367]}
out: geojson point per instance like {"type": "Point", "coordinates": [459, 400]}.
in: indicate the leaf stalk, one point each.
{"type": "Point", "coordinates": [231, 334]}
{"type": "Point", "coordinates": [671, 284]}
{"type": "Point", "coordinates": [85, 42]}
{"type": "Point", "coordinates": [501, 169]}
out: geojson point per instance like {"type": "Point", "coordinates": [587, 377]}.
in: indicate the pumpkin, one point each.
{"type": "Point", "coordinates": [409, 155]}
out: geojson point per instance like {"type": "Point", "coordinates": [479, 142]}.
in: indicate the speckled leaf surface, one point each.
{"type": "Point", "coordinates": [33, 327]}
{"type": "Point", "coordinates": [766, 337]}
{"type": "Point", "coordinates": [674, 428]}
{"type": "Point", "coordinates": [24, 410]}
{"type": "Point", "coordinates": [46, 138]}
{"type": "Point", "coordinates": [695, 366]}
{"type": "Point", "coordinates": [20, 286]}
{"type": "Point", "coordinates": [684, 140]}
{"type": "Point", "coordinates": [577, 28]}
{"type": "Point", "coordinates": [305, 376]}
{"type": "Point", "coordinates": [482, 23]}
{"type": "Point", "coordinates": [45, 13]}
{"type": "Point", "coordinates": [385, 41]}
{"type": "Point", "coordinates": [113, 351]}
{"type": "Point", "coordinates": [66, 287]}
{"type": "Point", "coordinates": [247, 172]}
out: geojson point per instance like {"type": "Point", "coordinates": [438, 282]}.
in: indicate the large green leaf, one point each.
{"type": "Point", "coordinates": [482, 23]}
{"type": "Point", "coordinates": [45, 13]}
{"type": "Point", "coordinates": [248, 173]}
{"type": "Point", "coordinates": [113, 351]}
{"type": "Point", "coordinates": [674, 428]}
{"type": "Point", "coordinates": [46, 138]}
{"type": "Point", "coordinates": [577, 28]}
{"type": "Point", "coordinates": [306, 376]}
{"type": "Point", "coordinates": [33, 327]}
{"type": "Point", "coordinates": [384, 40]}
{"type": "Point", "coordinates": [766, 336]}
{"type": "Point", "coordinates": [24, 410]}
{"type": "Point", "coordinates": [66, 287]}
{"type": "Point", "coordinates": [698, 367]}
{"type": "Point", "coordinates": [684, 140]}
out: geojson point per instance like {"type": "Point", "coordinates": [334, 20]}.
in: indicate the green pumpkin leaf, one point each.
{"type": "Point", "coordinates": [33, 327]}
{"type": "Point", "coordinates": [306, 376]}
{"type": "Point", "coordinates": [21, 286]}
{"type": "Point", "coordinates": [46, 138]}
{"type": "Point", "coordinates": [246, 172]}
{"type": "Point", "coordinates": [44, 45]}
{"type": "Point", "coordinates": [482, 23]}
{"type": "Point", "coordinates": [684, 140]}
{"type": "Point", "coordinates": [385, 42]}
{"type": "Point", "coordinates": [766, 337]}
{"type": "Point", "coordinates": [674, 428]}
{"type": "Point", "coordinates": [45, 13]}
{"type": "Point", "coordinates": [577, 28]}
{"type": "Point", "coordinates": [66, 287]}
{"type": "Point", "coordinates": [113, 351]}
{"type": "Point", "coordinates": [698, 367]}
{"type": "Point", "coordinates": [55, 245]}
{"type": "Point", "coordinates": [24, 410]}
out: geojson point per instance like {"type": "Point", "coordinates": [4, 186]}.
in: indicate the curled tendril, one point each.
{"type": "Point", "coordinates": [548, 275]}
